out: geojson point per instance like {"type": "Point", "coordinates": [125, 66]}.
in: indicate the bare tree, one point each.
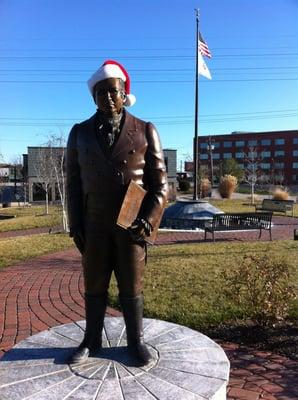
{"type": "Point", "coordinates": [56, 145]}
{"type": "Point", "coordinates": [252, 170]}
{"type": "Point", "coordinates": [44, 172]}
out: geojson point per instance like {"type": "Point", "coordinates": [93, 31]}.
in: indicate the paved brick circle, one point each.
{"type": "Point", "coordinates": [185, 365]}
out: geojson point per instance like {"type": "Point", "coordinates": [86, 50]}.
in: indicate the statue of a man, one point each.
{"type": "Point", "coordinates": [104, 153]}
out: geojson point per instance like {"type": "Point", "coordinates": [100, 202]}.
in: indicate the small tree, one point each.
{"type": "Point", "coordinates": [252, 170]}
{"type": "Point", "coordinates": [56, 145]}
{"type": "Point", "coordinates": [44, 173]}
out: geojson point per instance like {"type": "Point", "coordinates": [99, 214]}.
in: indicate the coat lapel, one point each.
{"type": "Point", "coordinates": [125, 141]}
{"type": "Point", "coordinates": [93, 141]}
{"type": "Point", "coordinates": [94, 150]}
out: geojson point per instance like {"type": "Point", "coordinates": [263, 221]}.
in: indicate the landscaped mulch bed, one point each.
{"type": "Point", "coordinates": [281, 339]}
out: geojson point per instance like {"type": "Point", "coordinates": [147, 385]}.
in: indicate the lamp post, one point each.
{"type": "Point", "coordinates": [210, 150]}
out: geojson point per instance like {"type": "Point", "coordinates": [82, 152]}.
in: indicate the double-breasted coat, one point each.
{"type": "Point", "coordinates": [96, 185]}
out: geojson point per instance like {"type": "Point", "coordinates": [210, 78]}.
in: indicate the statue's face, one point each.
{"type": "Point", "coordinates": [109, 96]}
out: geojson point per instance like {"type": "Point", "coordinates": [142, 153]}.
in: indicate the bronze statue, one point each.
{"type": "Point", "coordinates": [104, 153]}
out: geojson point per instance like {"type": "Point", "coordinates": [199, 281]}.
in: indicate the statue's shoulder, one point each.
{"type": "Point", "coordinates": [86, 123]}
{"type": "Point", "coordinates": [133, 120]}
{"type": "Point", "coordinates": [81, 130]}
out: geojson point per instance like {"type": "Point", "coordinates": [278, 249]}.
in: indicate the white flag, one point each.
{"type": "Point", "coordinates": [203, 69]}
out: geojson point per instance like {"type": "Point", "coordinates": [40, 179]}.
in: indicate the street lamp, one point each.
{"type": "Point", "coordinates": [210, 150]}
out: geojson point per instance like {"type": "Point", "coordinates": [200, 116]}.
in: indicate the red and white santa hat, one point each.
{"type": "Point", "coordinates": [112, 69]}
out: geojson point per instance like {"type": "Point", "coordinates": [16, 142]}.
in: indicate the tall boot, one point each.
{"type": "Point", "coordinates": [95, 308]}
{"type": "Point", "coordinates": [132, 308]}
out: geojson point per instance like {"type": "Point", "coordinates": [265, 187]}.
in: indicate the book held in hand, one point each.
{"type": "Point", "coordinates": [130, 209]}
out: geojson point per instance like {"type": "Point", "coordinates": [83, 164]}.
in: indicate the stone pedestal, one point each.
{"type": "Point", "coordinates": [186, 365]}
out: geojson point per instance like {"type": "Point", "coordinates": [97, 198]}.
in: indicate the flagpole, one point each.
{"type": "Point", "coordinates": [195, 146]}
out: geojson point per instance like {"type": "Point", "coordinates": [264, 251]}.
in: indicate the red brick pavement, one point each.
{"type": "Point", "coordinates": [48, 291]}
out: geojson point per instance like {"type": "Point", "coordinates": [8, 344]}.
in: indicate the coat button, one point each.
{"type": "Point", "coordinates": [132, 151]}
{"type": "Point", "coordinates": [124, 161]}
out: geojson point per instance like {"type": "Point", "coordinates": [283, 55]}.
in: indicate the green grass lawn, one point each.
{"type": "Point", "coordinates": [183, 283]}
{"type": "Point", "coordinates": [30, 217]}
{"type": "Point", "coordinates": [16, 249]}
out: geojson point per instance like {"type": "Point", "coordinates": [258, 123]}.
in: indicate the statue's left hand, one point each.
{"type": "Point", "coordinates": [139, 229]}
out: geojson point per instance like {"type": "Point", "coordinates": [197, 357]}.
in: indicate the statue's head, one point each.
{"type": "Point", "coordinates": [110, 87]}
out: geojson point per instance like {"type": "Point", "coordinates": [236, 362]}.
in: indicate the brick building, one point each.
{"type": "Point", "coordinates": [276, 152]}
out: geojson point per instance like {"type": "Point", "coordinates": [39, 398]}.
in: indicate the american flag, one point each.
{"type": "Point", "coordinates": [203, 47]}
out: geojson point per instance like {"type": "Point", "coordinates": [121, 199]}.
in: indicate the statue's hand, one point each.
{"type": "Point", "coordinates": [139, 229]}
{"type": "Point", "coordinates": [78, 238]}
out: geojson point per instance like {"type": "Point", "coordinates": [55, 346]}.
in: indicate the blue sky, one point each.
{"type": "Point", "coordinates": [49, 49]}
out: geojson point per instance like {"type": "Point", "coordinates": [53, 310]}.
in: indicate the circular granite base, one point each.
{"type": "Point", "coordinates": [186, 365]}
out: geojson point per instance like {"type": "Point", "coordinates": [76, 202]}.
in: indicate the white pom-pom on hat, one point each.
{"type": "Point", "coordinates": [113, 69]}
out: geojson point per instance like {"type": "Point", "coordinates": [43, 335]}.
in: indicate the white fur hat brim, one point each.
{"type": "Point", "coordinates": [130, 100]}
{"type": "Point", "coordinates": [110, 71]}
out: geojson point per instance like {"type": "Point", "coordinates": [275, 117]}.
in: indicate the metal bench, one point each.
{"type": "Point", "coordinates": [276, 206]}
{"type": "Point", "coordinates": [239, 222]}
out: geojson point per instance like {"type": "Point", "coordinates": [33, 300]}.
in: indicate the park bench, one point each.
{"type": "Point", "coordinates": [239, 222]}
{"type": "Point", "coordinates": [276, 206]}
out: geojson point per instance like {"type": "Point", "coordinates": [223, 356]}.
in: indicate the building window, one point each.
{"type": "Point", "coordinates": [227, 144]}
{"type": "Point", "coordinates": [265, 165]}
{"type": "Point", "coordinates": [216, 145]}
{"type": "Point", "coordinates": [266, 142]}
{"type": "Point", "coordinates": [216, 156]}
{"type": "Point", "coordinates": [279, 141]}
{"type": "Point", "coordinates": [240, 143]}
{"type": "Point", "coordinates": [203, 145]}
{"type": "Point", "coordinates": [227, 155]}
{"type": "Point", "coordinates": [265, 154]}
{"type": "Point", "coordinates": [279, 165]}
{"type": "Point", "coordinates": [295, 178]}
{"type": "Point", "coordinates": [252, 142]}
{"type": "Point", "coordinates": [279, 153]}
{"type": "Point", "coordinates": [203, 156]}
{"type": "Point", "coordinates": [295, 153]}
{"type": "Point", "coordinates": [239, 155]}
{"type": "Point", "coordinates": [295, 165]}
{"type": "Point", "coordinates": [295, 140]}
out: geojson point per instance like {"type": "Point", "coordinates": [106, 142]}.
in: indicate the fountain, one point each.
{"type": "Point", "coordinates": [186, 214]}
